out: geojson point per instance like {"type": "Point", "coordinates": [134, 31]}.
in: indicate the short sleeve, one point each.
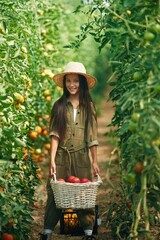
{"type": "Point", "coordinates": [53, 133]}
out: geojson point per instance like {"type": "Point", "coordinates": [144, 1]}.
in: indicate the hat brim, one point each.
{"type": "Point", "coordinates": [58, 79]}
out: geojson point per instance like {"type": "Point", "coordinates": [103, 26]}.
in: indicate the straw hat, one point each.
{"type": "Point", "coordinates": [74, 67]}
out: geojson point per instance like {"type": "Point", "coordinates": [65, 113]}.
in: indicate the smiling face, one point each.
{"type": "Point", "coordinates": [72, 83]}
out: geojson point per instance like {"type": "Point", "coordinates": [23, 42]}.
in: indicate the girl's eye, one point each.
{"type": "Point", "coordinates": [69, 81]}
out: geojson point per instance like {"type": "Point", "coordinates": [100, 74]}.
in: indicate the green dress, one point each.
{"type": "Point", "coordinates": [72, 158]}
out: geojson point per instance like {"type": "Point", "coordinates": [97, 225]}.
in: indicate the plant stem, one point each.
{"type": "Point", "coordinates": [129, 29]}
{"type": "Point", "coordinates": [125, 20]}
{"type": "Point", "coordinates": [142, 200]}
{"type": "Point", "coordinates": [138, 213]}
{"type": "Point", "coordinates": [146, 216]}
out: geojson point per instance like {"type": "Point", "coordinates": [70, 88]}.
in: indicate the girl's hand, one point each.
{"type": "Point", "coordinates": [96, 170]}
{"type": "Point", "coordinates": [52, 170]}
{"type": "Point", "coordinates": [54, 146]}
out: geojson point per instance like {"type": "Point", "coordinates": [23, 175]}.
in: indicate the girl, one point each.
{"type": "Point", "coordinates": [73, 132]}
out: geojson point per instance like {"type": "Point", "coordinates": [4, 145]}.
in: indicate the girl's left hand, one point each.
{"type": "Point", "coordinates": [96, 170]}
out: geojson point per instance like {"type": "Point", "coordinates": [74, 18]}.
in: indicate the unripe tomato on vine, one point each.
{"type": "Point", "coordinates": [135, 116]}
{"type": "Point", "coordinates": [38, 129]}
{"type": "Point", "coordinates": [32, 134]}
{"type": "Point", "coordinates": [19, 97]}
{"type": "Point", "coordinates": [155, 28]}
{"type": "Point", "coordinates": [48, 99]}
{"type": "Point", "coordinates": [137, 76]}
{"type": "Point", "coordinates": [148, 36]}
{"type": "Point", "coordinates": [139, 167]}
{"type": "Point", "coordinates": [130, 178]}
{"type": "Point", "coordinates": [47, 92]}
{"type": "Point", "coordinates": [132, 126]}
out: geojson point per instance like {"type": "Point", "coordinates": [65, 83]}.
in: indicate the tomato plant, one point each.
{"type": "Point", "coordinates": [31, 52]}
{"type": "Point", "coordinates": [31, 40]}
{"type": "Point", "coordinates": [26, 78]}
{"type": "Point", "coordinates": [132, 31]}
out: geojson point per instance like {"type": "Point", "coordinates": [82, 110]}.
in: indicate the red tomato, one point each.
{"type": "Point", "coordinates": [60, 180]}
{"type": "Point", "coordinates": [35, 204]}
{"type": "Point", "coordinates": [85, 180]}
{"type": "Point", "coordinates": [7, 236]}
{"type": "Point", "coordinates": [76, 180]}
{"type": "Point", "coordinates": [70, 179]}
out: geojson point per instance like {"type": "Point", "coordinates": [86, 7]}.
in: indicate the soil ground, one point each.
{"type": "Point", "coordinates": [107, 161]}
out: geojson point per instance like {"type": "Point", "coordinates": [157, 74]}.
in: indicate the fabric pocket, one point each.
{"type": "Point", "coordinates": [82, 159]}
{"type": "Point", "coordinates": [80, 132]}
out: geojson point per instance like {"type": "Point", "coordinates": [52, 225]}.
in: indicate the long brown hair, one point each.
{"type": "Point", "coordinates": [58, 114]}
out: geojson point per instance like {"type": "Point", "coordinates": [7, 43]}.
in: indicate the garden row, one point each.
{"type": "Point", "coordinates": [26, 96]}
{"type": "Point", "coordinates": [130, 30]}
{"type": "Point", "coordinates": [32, 39]}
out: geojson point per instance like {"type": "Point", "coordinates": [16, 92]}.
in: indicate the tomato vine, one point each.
{"type": "Point", "coordinates": [130, 32]}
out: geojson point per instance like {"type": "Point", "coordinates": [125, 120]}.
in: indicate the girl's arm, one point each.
{"type": "Point", "coordinates": [93, 150]}
{"type": "Point", "coordinates": [54, 146]}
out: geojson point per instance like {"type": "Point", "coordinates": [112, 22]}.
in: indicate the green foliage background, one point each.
{"type": "Point", "coordinates": [131, 32]}
{"type": "Point", "coordinates": [116, 40]}
{"type": "Point", "coordinates": [32, 39]}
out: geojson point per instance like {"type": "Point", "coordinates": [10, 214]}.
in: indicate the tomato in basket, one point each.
{"type": "Point", "coordinates": [73, 179]}
{"type": "Point", "coordinates": [60, 180]}
{"type": "Point", "coordinates": [76, 180]}
{"type": "Point", "coordinates": [85, 180]}
{"type": "Point", "coordinates": [70, 179]}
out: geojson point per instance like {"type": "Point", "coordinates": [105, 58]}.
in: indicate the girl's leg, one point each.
{"type": "Point", "coordinates": [87, 220]}
{"type": "Point", "coordinates": [52, 214]}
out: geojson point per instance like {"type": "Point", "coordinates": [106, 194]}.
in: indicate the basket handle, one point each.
{"type": "Point", "coordinates": [54, 177]}
{"type": "Point", "coordinates": [99, 179]}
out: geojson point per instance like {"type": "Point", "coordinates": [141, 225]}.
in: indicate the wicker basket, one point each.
{"type": "Point", "coordinates": [75, 195]}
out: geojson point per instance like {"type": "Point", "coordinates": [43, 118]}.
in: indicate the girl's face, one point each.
{"type": "Point", "coordinates": [72, 83]}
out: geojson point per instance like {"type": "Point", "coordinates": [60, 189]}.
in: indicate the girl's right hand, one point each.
{"type": "Point", "coordinates": [54, 146]}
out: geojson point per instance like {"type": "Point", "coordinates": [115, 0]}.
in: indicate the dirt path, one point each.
{"type": "Point", "coordinates": [104, 150]}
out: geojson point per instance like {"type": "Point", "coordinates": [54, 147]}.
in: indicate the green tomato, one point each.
{"type": "Point", "coordinates": [148, 36]}
{"type": "Point", "coordinates": [137, 76]}
{"type": "Point", "coordinates": [157, 88]}
{"type": "Point", "coordinates": [38, 151]}
{"type": "Point", "coordinates": [131, 178]}
{"type": "Point", "coordinates": [108, 45]}
{"type": "Point", "coordinates": [132, 126]}
{"type": "Point", "coordinates": [155, 28]}
{"type": "Point", "coordinates": [156, 142]}
{"type": "Point", "coordinates": [135, 117]}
